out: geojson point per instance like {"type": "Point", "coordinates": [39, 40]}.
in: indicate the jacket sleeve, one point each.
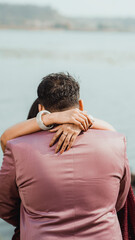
{"type": "Point", "coordinates": [9, 196]}
{"type": "Point", "coordinates": [124, 183]}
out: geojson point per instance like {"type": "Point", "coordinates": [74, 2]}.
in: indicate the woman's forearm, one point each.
{"type": "Point", "coordinates": [30, 126]}
{"type": "Point", "coordinates": [102, 125]}
{"type": "Point", "coordinates": [24, 128]}
{"type": "Point", "coordinates": [18, 130]}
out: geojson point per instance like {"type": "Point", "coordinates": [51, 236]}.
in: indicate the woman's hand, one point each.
{"type": "Point", "coordinates": [74, 116]}
{"type": "Point", "coordinates": [67, 133]}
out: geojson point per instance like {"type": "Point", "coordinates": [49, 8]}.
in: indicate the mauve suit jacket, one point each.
{"type": "Point", "coordinates": [70, 196]}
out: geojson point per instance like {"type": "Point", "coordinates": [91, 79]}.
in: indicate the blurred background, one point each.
{"type": "Point", "coordinates": [92, 40]}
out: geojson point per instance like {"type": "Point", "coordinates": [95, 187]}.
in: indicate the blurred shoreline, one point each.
{"type": "Point", "coordinates": [33, 17]}
{"type": "Point", "coordinates": [61, 29]}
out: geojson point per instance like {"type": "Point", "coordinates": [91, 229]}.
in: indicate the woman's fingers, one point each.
{"type": "Point", "coordinates": [66, 143]}
{"type": "Point", "coordinates": [55, 137]}
{"type": "Point", "coordinates": [72, 140]}
{"type": "Point", "coordinates": [84, 113]}
{"type": "Point", "coordinates": [89, 119]}
{"type": "Point", "coordinates": [60, 142]}
{"type": "Point", "coordinates": [76, 122]}
{"type": "Point", "coordinates": [72, 116]}
{"type": "Point", "coordinates": [82, 118]}
{"type": "Point", "coordinates": [55, 129]}
{"type": "Point", "coordinates": [86, 119]}
{"type": "Point", "coordinates": [67, 134]}
{"type": "Point", "coordinates": [82, 121]}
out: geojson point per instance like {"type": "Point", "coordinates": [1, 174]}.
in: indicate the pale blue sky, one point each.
{"type": "Point", "coordinates": [90, 8]}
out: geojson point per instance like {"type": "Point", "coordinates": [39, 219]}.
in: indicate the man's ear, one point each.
{"type": "Point", "coordinates": [81, 107]}
{"type": "Point", "coordinates": [40, 107]}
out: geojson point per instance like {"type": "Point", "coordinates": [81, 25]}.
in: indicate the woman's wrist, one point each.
{"type": "Point", "coordinates": [49, 119]}
{"type": "Point", "coordinates": [74, 116]}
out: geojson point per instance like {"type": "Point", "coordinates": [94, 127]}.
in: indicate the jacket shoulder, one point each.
{"type": "Point", "coordinates": [28, 138]}
{"type": "Point", "coordinates": [105, 134]}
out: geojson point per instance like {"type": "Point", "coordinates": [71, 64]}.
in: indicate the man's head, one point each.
{"type": "Point", "coordinates": [58, 92]}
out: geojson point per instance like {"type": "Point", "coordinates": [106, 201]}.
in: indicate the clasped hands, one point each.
{"type": "Point", "coordinates": [70, 124]}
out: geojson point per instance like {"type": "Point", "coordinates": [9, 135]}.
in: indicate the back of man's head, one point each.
{"type": "Point", "coordinates": [58, 91]}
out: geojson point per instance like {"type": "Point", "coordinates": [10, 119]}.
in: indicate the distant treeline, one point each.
{"type": "Point", "coordinates": [28, 16]}
{"type": "Point", "coordinates": [35, 17]}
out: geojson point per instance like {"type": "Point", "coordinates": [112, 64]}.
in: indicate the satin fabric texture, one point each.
{"type": "Point", "coordinates": [75, 195]}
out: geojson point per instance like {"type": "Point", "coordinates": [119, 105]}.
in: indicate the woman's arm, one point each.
{"type": "Point", "coordinates": [18, 130]}
{"type": "Point", "coordinates": [102, 125]}
{"type": "Point", "coordinates": [67, 134]}
{"type": "Point", "coordinates": [30, 126]}
{"type": "Point", "coordinates": [74, 116]}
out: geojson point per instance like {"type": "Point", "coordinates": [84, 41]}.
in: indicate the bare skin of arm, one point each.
{"type": "Point", "coordinates": [77, 120]}
{"type": "Point", "coordinates": [74, 116]}
{"type": "Point", "coordinates": [102, 125]}
{"type": "Point", "coordinates": [67, 134]}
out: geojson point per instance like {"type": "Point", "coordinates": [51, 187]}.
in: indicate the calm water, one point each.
{"type": "Point", "coordinates": [104, 64]}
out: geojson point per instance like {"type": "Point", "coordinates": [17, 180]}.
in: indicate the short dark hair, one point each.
{"type": "Point", "coordinates": [58, 91]}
